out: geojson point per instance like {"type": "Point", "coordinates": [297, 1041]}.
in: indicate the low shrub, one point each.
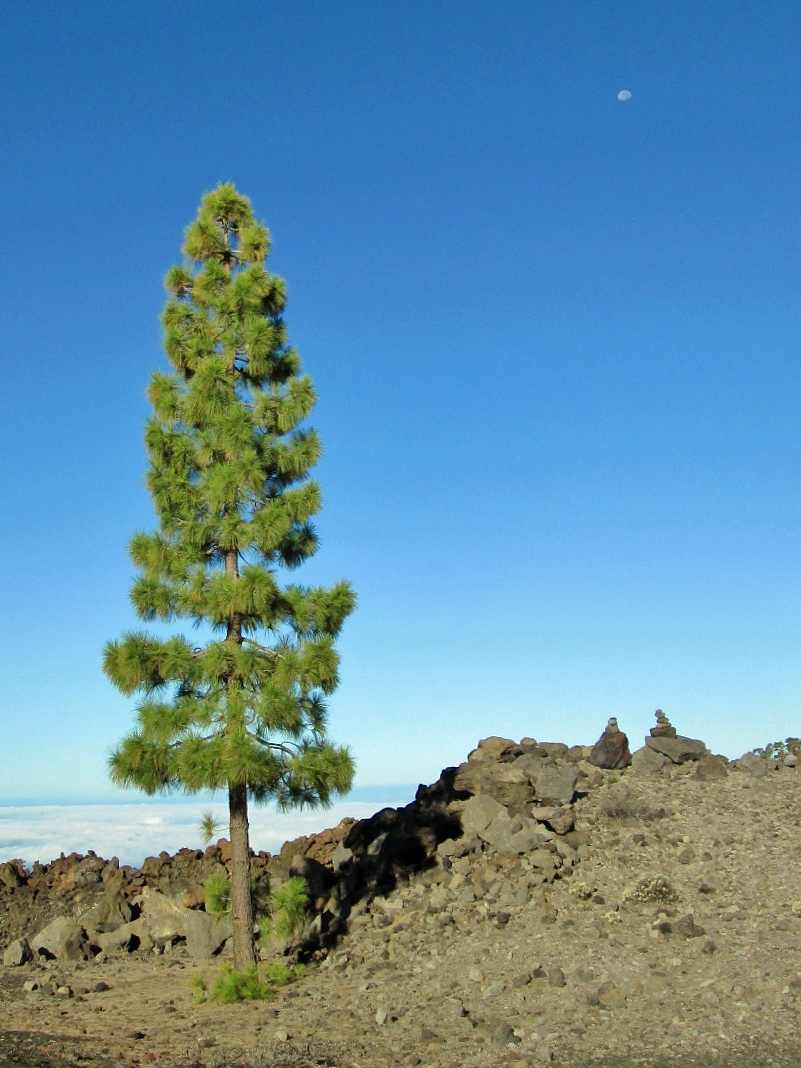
{"type": "Point", "coordinates": [653, 890]}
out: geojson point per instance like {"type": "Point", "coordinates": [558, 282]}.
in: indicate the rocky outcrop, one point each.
{"type": "Point", "coordinates": [514, 803]}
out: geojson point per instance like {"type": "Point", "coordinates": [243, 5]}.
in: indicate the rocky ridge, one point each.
{"type": "Point", "coordinates": [544, 903]}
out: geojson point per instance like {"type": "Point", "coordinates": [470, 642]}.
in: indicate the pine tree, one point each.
{"type": "Point", "coordinates": [229, 458]}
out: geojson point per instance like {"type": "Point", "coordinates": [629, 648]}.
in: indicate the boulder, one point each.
{"type": "Point", "coordinates": [495, 750]}
{"type": "Point", "coordinates": [559, 819]}
{"type": "Point", "coordinates": [710, 768]}
{"type": "Point", "coordinates": [612, 748]}
{"type": "Point", "coordinates": [127, 938]}
{"type": "Point", "coordinates": [64, 939]}
{"type": "Point", "coordinates": [753, 764]}
{"type": "Point", "coordinates": [679, 750]}
{"type": "Point", "coordinates": [555, 784]}
{"type": "Point", "coordinates": [206, 934]}
{"type": "Point", "coordinates": [19, 952]}
{"type": "Point", "coordinates": [647, 761]}
{"type": "Point", "coordinates": [479, 812]}
{"type": "Point", "coordinates": [165, 919]}
{"type": "Point", "coordinates": [12, 874]}
{"type": "Point", "coordinates": [109, 912]}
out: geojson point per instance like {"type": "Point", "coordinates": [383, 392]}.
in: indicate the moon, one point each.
{"type": "Point", "coordinates": [624, 95]}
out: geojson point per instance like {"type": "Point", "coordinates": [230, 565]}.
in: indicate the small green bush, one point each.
{"type": "Point", "coordinates": [198, 987]}
{"type": "Point", "coordinates": [286, 909]}
{"type": "Point", "coordinates": [231, 986]}
{"type": "Point", "coordinates": [281, 974]}
{"type": "Point", "coordinates": [218, 894]}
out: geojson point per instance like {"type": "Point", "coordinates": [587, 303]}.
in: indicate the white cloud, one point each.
{"type": "Point", "coordinates": [132, 832]}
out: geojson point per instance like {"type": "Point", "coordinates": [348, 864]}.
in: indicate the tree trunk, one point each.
{"type": "Point", "coordinates": [241, 899]}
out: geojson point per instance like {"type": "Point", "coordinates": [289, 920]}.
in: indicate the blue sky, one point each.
{"type": "Point", "coordinates": [555, 338]}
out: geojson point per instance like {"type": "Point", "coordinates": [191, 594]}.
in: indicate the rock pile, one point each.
{"type": "Point", "coordinates": [531, 906]}
{"type": "Point", "coordinates": [509, 801]}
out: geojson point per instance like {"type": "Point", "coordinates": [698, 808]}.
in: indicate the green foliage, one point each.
{"type": "Point", "coordinates": [283, 910]}
{"type": "Point", "coordinates": [779, 750]}
{"type": "Point", "coordinates": [229, 463]}
{"type": "Point", "coordinates": [218, 894]}
{"type": "Point", "coordinates": [209, 826]}
{"type": "Point", "coordinates": [197, 984]}
{"type": "Point", "coordinates": [286, 909]}
{"type": "Point", "coordinates": [281, 974]}
{"type": "Point", "coordinates": [231, 986]}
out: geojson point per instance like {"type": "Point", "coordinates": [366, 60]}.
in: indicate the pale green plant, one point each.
{"type": "Point", "coordinates": [218, 894]}
{"type": "Point", "coordinates": [581, 891]}
{"type": "Point", "coordinates": [652, 890]}
{"type": "Point", "coordinates": [231, 986]}
{"type": "Point", "coordinates": [286, 909]}
{"type": "Point", "coordinates": [209, 826]}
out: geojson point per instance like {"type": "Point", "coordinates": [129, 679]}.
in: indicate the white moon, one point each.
{"type": "Point", "coordinates": [624, 94]}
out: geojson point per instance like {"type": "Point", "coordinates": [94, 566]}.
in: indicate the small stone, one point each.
{"type": "Point", "coordinates": [493, 990]}
{"type": "Point", "coordinates": [381, 1016]}
{"type": "Point", "coordinates": [455, 1007]}
{"type": "Point", "coordinates": [474, 974]}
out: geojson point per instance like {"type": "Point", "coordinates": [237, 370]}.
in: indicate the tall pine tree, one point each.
{"type": "Point", "coordinates": [228, 472]}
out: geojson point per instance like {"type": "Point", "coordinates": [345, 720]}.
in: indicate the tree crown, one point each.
{"type": "Point", "coordinates": [229, 461]}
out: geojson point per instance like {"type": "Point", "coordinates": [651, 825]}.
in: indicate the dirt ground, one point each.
{"type": "Point", "coordinates": [469, 968]}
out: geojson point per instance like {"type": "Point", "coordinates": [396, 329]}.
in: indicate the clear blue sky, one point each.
{"type": "Point", "coordinates": [555, 337]}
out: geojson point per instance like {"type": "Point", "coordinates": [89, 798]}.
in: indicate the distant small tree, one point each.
{"type": "Point", "coordinates": [228, 473]}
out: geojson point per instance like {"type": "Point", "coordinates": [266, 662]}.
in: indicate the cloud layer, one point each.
{"type": "Point", "coordinates": [132, 832]}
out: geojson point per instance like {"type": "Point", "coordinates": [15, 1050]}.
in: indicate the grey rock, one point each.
{"type": "Point", "coordinates": [129, 937]}
{"type": "Point", "coordinates": [110, 912]}
{"type": "Point", "coordinates": [19, 952]}
{"type": "Point", "coordinates": [649, 762]}
{"type": "Point", "coordinates": [499, 1034]}
{"type": "Point", "coordinates": [556, 785]}
{"type": "Point", "coordinates": [63, 939]}
{"type": "Point", "coordinates": [342, 856]}
{"type": "Point", "coordinates": [455, 1007]}
{"type": "Point", "coordinates": [560, 820]}
{"type": "Point", "coordinates": [711, 768]}
{"type": "Point", "coordinates": [679, 750]}
{"type": "Point", "coordinates": [529, 837]}
{"type": "Point", "coordinates": [753, 764]}
{"type": "Point", "coordinates": [166, 919]}
{"type": "Point", "coordinates": [493, 990]}
{"type": "Point", "coordinates": [505, 782]}
{"type": "Point", "coordinates": [480, 811]}
{"type": "Point", "coordinates": [205, 934]}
